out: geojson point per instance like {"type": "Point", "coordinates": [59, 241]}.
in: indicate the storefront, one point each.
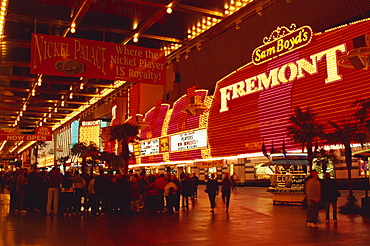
{"type": "Point", "coordinates": [293, 67]}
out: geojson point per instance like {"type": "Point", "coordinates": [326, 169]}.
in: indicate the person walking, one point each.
{"type": "Point", "coordinates": [187, 189]}
{"type": "Point", "coordinates": [312, 190]}
{"type": "Point", "coordinates": [329, 196]}
{"type": "Point", "coordinates": [212, 190]}
{"type": "Point", "coordinates": [195, 185]}
{"type": "Point", "coordinates": [55, 180]}
{"type": "Point", "coordinates": [226, 190]}
{"type": "Point", "coordinates": [234, 179]}
{"type": "Point", "coordinates": [170, 192]}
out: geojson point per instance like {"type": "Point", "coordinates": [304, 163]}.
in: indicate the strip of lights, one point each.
{"type": "Point", "coordinates": [104, 93]}
{"type": "Point", "coordinates": [3, 11]}
{"type": "Point", "coordinates": [2, 145]}
{"type": "Point", "coordinates": [257, 154]}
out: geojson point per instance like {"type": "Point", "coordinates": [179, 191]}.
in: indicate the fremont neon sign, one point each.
{"type": "Point", "coordinates": [284, 74]}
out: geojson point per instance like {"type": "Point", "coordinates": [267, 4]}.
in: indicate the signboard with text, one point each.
{"type": "Point", "coordinates": [65, 56]}
{"type": "Point", "coordinates": [150, 147]}
{"type": "Point", "coordinates": [189, 140]}
{"type": "Point", "coordinates": [295, 69]}
{"type": "Point", "coordinates": [37, 134]}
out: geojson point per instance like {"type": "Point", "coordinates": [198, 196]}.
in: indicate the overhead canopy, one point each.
{"type": "Point", "coordinates": [287, 159]}
{"type": "Point", "coordinates": [362, 153]}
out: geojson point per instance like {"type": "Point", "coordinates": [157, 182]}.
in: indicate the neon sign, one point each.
{"type": "Point", "coordinates": [282, 41]}
{"type": "Point", "coordinates": [283, 74]}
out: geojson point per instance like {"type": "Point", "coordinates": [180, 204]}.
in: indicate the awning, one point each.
{"type": "Point", "coordinates": [362, 153]}
{"type": "Point", "coordinates": [286, 162]}
{"type": "Point", "coordinates": [287, 159]}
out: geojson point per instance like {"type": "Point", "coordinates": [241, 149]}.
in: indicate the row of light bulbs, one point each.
{"type": "Point", "coordinates": [206, 23]}
{"type": "Point", "coordinates": [3, 10]}
{"type": "Point", "coordinates": [235, 5]}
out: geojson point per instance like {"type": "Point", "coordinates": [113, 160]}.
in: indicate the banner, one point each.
{"type": "Point", "coordinates": [61, 56]}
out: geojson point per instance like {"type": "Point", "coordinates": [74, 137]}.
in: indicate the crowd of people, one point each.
{"type": "Point", "coordinates": [109, 191]}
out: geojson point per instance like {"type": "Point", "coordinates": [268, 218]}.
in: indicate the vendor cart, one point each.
{"type": "Point", "coordinates": [287, 182]}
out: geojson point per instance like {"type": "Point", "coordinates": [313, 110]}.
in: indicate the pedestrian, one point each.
{"type": "Point", "coordinates": [101, 189]}
{"type": "Point", "coordinates": [176, 193]}
{"type": "Point", "coordinates": [161, 183]}
{"type": "Point", "coordinates": [92, 196]}
{"type": "Point", "coordinates": [54, 182]}
{"type": "Point", "coordinates": [79, 186]}
{"type": "Point", "coordinates": [170, 191]}
{"type": "Point", "coordinates": [234, 179]}
{"type": "Point", "coordinates": [151, 191]}
{"type": "Point", "coordinates": [187, 188]}
{"type": "Point", "coordinates": [312, 190]}
{"type": "Point", "coordinates": [124, 193]}
{"type": "Point", "coordinates": [35, 190]}
{"type": "Point", "coordinates": [226, 190]}
{"type": "Point", "coordinates": [212, 190]}
{"type": "Point", "coordinates": [66, 195]}
{"type": "Point", "coordinates": [87, 204]}
{"type": "Point", "coordinates": [21, 188]}
{"type": "Point", "coordinates": [135, 195]}
{"type": "Point", "coordinates": [329, 196]}
{"type": "Point", "coordinates": [196, 184]}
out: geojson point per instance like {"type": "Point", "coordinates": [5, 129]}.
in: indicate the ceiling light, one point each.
{"type": "Point", "coordinates": [62, 104]}
{"type": "Point", "coordinates": [71, 96]}
{"type": "Point", "coordinates": [81, 86]}
{"type": "Point", "coordinates": [55, 110]}
{"type": "Point", "coordinates": [169, 10]}
{"type": "Point", "coordinates": [136, 39]}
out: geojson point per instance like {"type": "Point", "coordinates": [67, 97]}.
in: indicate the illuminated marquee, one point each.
{"type": "Point", "coordinates": [281, 42]}
{"type": "Point", "coordinates": [189, 140]}
{"type": "Point", "coordinates": [286, 73]}
{"type": "Point", "coordinates": [150, 147]}
{"type": "Point", "coordinates": [253, 104]}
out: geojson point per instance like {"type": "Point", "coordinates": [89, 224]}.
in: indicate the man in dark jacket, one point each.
{"type": "Point", "coordinates": [101, 189]}
{"type": "Point", "coordinates": [35, 190]}
{"type": "Point", "coordinates": [329, 195]}
{"type": "Point", "coordinates": [226, 190]}
{"type": "Point", "coordinates": [212, 190]}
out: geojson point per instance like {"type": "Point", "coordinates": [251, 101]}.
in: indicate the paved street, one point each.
{"type": "Point", "coordinates": [252, 220]}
